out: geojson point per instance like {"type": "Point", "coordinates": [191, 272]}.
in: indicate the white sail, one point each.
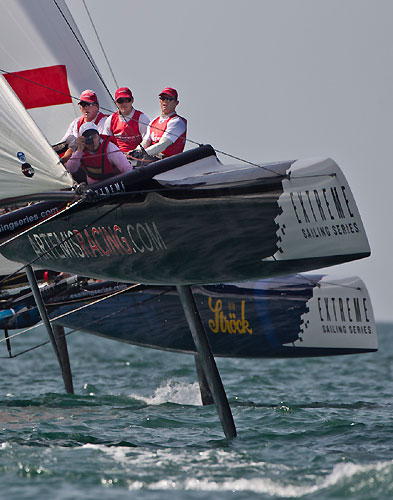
{"type": "Point", "coordinates": [24, 150]}
{"type": "Point", "coordinates": [36, 37]}
{"type": "Point", "coordinates": [41, 54]}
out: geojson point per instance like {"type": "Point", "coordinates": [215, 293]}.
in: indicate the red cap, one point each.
{"type": "Point", "coordinates": [88, 96]}
{"type": "Point", "coordinates": [169, 91]}
{"type": "Point", "coordinates": [123, 92]}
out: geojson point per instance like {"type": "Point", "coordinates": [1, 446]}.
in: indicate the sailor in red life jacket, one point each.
{"type": "Point", "coordinates": [90, 109]}
{"type": "Point", "coordinates": [128, 125]}
{"type": "Point", "coordinates": [166, 135]}
{"type": "Point", "coordinates": [98, 156]}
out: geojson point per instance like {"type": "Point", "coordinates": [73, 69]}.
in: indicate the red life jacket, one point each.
{"type": "Point", "coordinates": [97, 119]}
{"type": "Point", "coordinates": [126, 134]}
{"type": "Point", "coordinates": [97, 164]}
{"type": "Point", "coordinates": [157, 130]}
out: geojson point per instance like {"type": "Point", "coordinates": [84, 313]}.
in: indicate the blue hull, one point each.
{"type": "Point", "coordinates": [268, 318]}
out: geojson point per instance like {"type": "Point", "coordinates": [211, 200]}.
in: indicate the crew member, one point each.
{"type": "Point", "coordinates": [128, 125]}
{"type": "Point", "coordinates": [90, 110]}
{"type": "Point", "coordinates": [97, 156]}
{"type": "Point", "coordinates": [166, 135]}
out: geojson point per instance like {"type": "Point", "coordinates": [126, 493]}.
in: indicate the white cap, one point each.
{"type": "Point", "coordinates": [88, 126]}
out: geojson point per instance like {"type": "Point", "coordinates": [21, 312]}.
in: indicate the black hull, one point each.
{"type": "Point", "coordinates": [230, 225]}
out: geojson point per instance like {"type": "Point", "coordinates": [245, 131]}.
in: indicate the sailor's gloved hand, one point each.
{"type": "Point", "coordinates": [71, 141]}
{"type": "Point", "coordinates": [135, 154]}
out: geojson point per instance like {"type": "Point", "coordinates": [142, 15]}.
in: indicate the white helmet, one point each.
{"type": "Point", "coordinates": [88, 126]}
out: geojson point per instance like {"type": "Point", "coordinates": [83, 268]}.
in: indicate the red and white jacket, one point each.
{"type": "Point", "coordinates": [76, 124]}
{"type": "Point", "coordinates": [157, 130]}
{"type": "Point", "coordinates": [96, 120]}
{"type": "Point", "coordinates": [126, 134]}
{"type": "Point", "coordinates": [98, 166]}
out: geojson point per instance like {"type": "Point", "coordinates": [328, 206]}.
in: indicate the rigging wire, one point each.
{"type": "Point", "coordinates": [86, 325]}
{"type": "Point", "coordinates": [43, 221]}
{"type": "Point", "coordinates": [88, 225]}
{"type": "Point", "coordinates": [78, 201]}
{"type": "Point", "coordinates": [191, 141]}
{"type": "Point", "coordinates": [313, 282]}
{"type": "Point", "coordinates": [83, 48]}
{"type": "Point", "coordinates": [95, 68]}
{"type": "Point", "coordinates": [106, 88]}
{"type": "Point", "coordinates": [99, 41]}
{"type": "Point", "coordinates": [59, 243]}
{"type": "Point", "coordinates": [117, 311]}
{"type": "Point", "coordinates": [70, 312]}
{"type": "Point", "coordinates": [318, 283]}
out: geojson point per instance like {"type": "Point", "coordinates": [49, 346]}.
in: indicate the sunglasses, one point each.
{"type": "Point", "coordinates": [164, 98]}
{"type": "Point", "coordinates": [84, 104]}
{"type": "Point", "coordinates": [122, 100]}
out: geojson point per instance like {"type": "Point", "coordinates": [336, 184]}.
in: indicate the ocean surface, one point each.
{"type": "Point", "coordinates": [318, 428]}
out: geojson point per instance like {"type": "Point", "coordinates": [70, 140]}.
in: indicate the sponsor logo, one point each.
{"type": "Point", "coordinates": [318, 221]}
{"type": "Point", "coordinates": [229, 322]}
{"type": "Point", "coordinates": [318, 208]}
{"type": "Point", "coordinates": [98, 241]}
{"type": "Point", "coordinates": [321, 205]}
{"type": "Point", "coordinates": [21, 156]}
{"type": "Point", "coordinates": [344, 315]}
{"type": "Point", "coordinates": [116, 187]}
{"type": "Point", "coordinates": [338, 319]}
{"type": "Point", "coordinates": [27, 170]}
{"type": "Point", "coordinates": [29, 219]}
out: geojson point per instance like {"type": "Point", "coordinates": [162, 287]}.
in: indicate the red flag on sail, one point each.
{"type": "Point", "coordinates": [41, 87]}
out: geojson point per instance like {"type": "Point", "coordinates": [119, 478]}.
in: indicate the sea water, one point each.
{"type": "Point", "coordinates": [318, 428]}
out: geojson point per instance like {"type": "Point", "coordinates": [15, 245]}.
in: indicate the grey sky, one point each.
{"type": "Point", "coordinates": [271, 80]}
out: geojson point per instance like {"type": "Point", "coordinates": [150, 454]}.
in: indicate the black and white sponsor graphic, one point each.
{"type": "Point", "coordinates": [340, 315]}
{"type": "Point", "coordinates": [27, 169]}
{"type": "Point", "coordinates": [319, 215]}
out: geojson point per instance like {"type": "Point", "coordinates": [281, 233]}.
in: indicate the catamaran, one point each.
{"type": "Point", "coordinates": [181, 221]}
